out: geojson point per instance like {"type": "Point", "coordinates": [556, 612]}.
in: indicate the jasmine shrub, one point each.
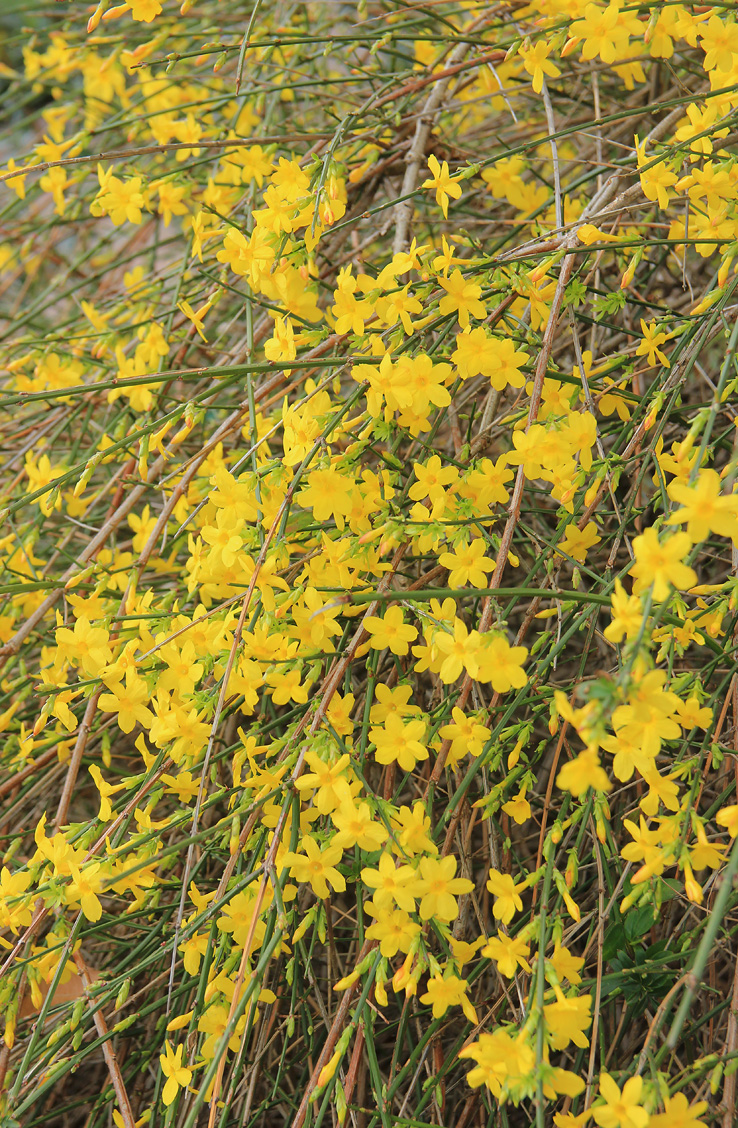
{"type": "Point", "coordinates": [369, 578]}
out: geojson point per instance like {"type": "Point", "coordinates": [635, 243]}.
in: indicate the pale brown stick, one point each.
{"type": "Point", "coordinates": [330, 1042]}
{"type": "Point", "coordinates": [107, 1047]}
{"type": "Point", "coordinates": [74, 763]}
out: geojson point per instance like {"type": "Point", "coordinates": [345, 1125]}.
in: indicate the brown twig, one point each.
{"type": "Point", "coordinates": [107, 1045]}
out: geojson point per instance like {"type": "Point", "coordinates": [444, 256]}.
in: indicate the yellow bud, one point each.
{"type": "Point", "coordinates": [724, 271]}
{"type": "Point", "coordinates": [180, 1021]}
{"type": "Point", "coordinates": [401, 978]}
{"type": "Point", "coordinates": [42, 718]}
{"type": "Point", "coordinates": [650, 418]}
{"type": "Point", "coordinates": [650, 27]}
{"type": "Point", "coordinates": [630, 900]}
{"type": "Point", "coordinates": [95, 18]}
{"type": "Point", "coordinates": [347, 981]}
{"type": "Point", "coordinates": [692, 888]}
{"type": "Point", "coordinates": [143, 467]}
{"type": "Point", "coordinates": [328, 1070]}
{"type": "Point", "coordinates": [302, 928]}
{"type": "Point", "coordinates": [115, 13]}
{"type": "Point", "coordinates": [81, 485]}
{"type": "Point", "coordinates": [80, 577]}
{"type": "Point", "coordinates": [539, 272]}
{"type": "Point", "coordinates": [628, 273]}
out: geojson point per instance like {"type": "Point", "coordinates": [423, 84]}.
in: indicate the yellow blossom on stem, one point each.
{"type": "Point", "coordinates": [127, 701]}
{"type": "Point", "coordinates": [576, 542]}
{"type": "Point", "coordinates": [621, 1109]}
{"type": "Point", "coordinates": [508, 952]}
{"type": "Point", "coordinates": [583, 772]}
{"type": "Point", "coordinates": [467, 564]}
{"type": "Point", "coordinates": [649, 346]}
{"type": "Point", "coordinates": [507, 895]}
{"type": "Point", "coordinates": [178, 1076]}
{"type": "Point", "coordinates": [661, 563]}
{"type": "Point", "coordinates": [439, 888]}
{"type": "Point", "coordinates": [440, 179]}
{"type": "Point", "coordinates": [704, 508]}
{"type": "Point", "coordinates": [390, 631]}
{"type": "Point", "coordinates": [447, 991]}
{"type": "Point", "coordinates": [462, 297]}
{"type": "Point", "coordinates": [679, 1113]}
{"type": "Point", "coordinates": [316, 867]}
{"type": "Point", "coordinates": [537, 63]}
{"type": "Point", "coordinates": [627, 615]}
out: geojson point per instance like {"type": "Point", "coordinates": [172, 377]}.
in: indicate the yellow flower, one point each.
{"type": "Point", "coordinates": [704, 509]}
{"type": "Point", "coordinates": [178, 1076]}
{"type": "Point", "coordinates": [105, 790]}
{"type": "Point", "coordinates": [567, 1019]}
{"type": "Point", "coordinates": [679, 1113]}
{"type": "Point", "coordinates": [316, 866]}
{"type": "Point", "coordinates": [443, 183]}
{"type": "Point", "coordinates": [569, 1120]}
{"type": "Point", "coordinates": [576, 542]}
{"type": "Point", "coordinates": [83, 889]}
{"type": "Point", "coordinates": [15, 913]}
{"type": "Point", "coordinates": [692, 715]}
{"type": "Point", "coordinates": [447, 991]}
{"type": "Point", "coordinates": [719, 42]}
{"type": "Point", "coordinates": [462, 297]}
{"type": "Point", "coordinates": [502, 1060]}
{"type": "Point", "coordinates": [467, 736]}
{"type": "Point", "coordinates": [565, 965]}
{"type": "Point", "coordinates": [649, 346]}
{"type": "Point", "coordinates": [500, 664]}
{"type": "Point", "coordinates": [196, 316]}
{"type": "Point", "coordinates": [621, 1109]}
{"type": "Point", "coordinates": [394, 929]}
{"type": "Point", "coordinates": [400, 885]}
{"type": "Point", "coordinates": [400, 742]}
{"type": "Point", "coordinates": [507, 895]}
{"type": "Point", "coordinates": [85, 645]}
{"type": "Point", "coordinates": [600, 32]}
{"type": "Point", "coordinates": [438, 888]}
{"type": "Point", "coordinates": [627, 615]}
{"type": "Point", "coordinates": [583, 772]}
{"type": "Point", "coordinates": [477, 353]}
{"type": "Point", "coordinates": [413, 828]}
{"type": "Point", "coordinates": [432, 478]}
{"type": "Point", "coordinates": [128, 702]}
{"type": "Point", "coordinates": [390, 631]}
{"type": "Point", "coordinates": [467, 564]}
{"type": "Point", "coordinates": [728, 817]}
{"type": "Point", "coordinates": [356, 827]}
{"type": "Point", "coordinates": [518, 808]}
{"type": "Point", "coordinates": [17, 182]}
{"type": "Point", "coordinates": [508, 952]}
{"type": "Point", "coordinates": [661, 563]}
{"type": "Point", "coordinates": [537, 63]}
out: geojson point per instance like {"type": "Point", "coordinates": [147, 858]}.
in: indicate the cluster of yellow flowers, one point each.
{"type": "Point", "coordinates": [313, 501]}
